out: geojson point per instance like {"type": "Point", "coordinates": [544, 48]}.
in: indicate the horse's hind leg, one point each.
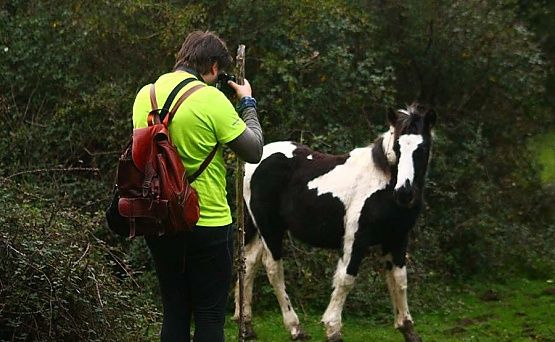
{"type": "Point", "coordinates": [274, 269]}
{"type": "Point", "coordinates": [253, 255]}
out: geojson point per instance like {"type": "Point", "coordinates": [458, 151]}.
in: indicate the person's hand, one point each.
{"type": "Point", "coordinates": [241, 90]}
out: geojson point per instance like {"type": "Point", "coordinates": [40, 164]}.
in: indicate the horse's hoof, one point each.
{"type": "Point", "coordinates": [335, 337]}
{"type": "Point", "coordinates": [301, 335]}
{"type": "Point", "coordinates": [408, 332]}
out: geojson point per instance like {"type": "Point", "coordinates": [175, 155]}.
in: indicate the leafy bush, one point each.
{"type": "Point", "coordinates": [61, 281]}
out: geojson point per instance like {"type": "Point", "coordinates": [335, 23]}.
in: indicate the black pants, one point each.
{"type": "Point", "coordinates": [194, 271]}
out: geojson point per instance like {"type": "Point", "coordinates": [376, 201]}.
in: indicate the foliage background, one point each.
{"type": "Point", "coordinates": [324, 73]}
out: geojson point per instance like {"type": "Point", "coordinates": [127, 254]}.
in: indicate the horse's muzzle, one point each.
{"type": "Point", "coordinates": [405, 195]}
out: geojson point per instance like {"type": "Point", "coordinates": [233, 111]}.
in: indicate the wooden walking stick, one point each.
{"type": "Point", "coordinates": [240, 171]}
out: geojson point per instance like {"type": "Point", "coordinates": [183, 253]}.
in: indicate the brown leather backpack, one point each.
{"type": "Point", "coordinates": [153, 195]}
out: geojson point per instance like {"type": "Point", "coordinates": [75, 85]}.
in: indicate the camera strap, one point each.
{"type": "Point", "coordinates": [166, 108]}
{"type": "Point", "coordinates": [194, 73]}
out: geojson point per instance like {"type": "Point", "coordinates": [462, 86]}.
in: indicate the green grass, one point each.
{"type": "Point", "coordinates": [544, 146]}
{"type": "Point", "coordinates": [520, 310]}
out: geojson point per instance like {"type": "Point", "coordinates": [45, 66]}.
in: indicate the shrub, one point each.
{"type": "Point", "coordinates": [63, 282]}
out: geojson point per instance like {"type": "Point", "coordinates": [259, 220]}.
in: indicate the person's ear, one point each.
{"type": "Point", "coordinates": [214, 69]}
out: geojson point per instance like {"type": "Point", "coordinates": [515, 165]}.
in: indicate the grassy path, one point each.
{"type": "Point", "coordinates": [520, 310]}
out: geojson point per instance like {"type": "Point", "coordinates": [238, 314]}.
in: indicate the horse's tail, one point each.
{"type": "Point", "coordinates": [250, 229]}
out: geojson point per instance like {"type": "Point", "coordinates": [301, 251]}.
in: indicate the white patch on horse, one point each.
{"type": "Point", "coordinates": [284, 147]}
{"type": "Point", "coordinates": [352, 183]}
{"type": "Point", "coordinates": [408, 143]}
{"type": "Point", "coordinates": [309, 156]}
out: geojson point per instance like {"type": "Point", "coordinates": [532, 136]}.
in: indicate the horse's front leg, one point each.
{"type": "Point", "coordinates": [396, 278]}
{"type": "Point", "coordinates": [342, 285]}
{"type": "Point", "coordinates": [344, 279]}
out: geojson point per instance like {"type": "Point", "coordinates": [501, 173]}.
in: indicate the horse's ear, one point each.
{"type": "Point", "coordinates": [431, 118]}
{"type": "Point", "coordinates": [391, 116]}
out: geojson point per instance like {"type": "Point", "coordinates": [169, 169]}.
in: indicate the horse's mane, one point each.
{"type": "Point", "coordinates": [382, 152]}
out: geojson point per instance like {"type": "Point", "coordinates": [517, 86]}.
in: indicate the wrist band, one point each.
{"type": "Point", "coordinates": [245, 102]}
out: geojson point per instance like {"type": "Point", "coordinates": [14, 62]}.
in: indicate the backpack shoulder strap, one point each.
{"type": "Point", "coordinates": [181, 99]}
{"type": "Point", "coordinates": [156, 114]}
{"type": "Point", "coordinates": [166, 119]}
{"type": "Point", "coordinates": [153, 102]}
{"type": "Point", "coordinates": [153, 116]}
{"type": "Point", "coordinates": [204, 164]}
{"type": "Point", "coordinates": [166, 108]}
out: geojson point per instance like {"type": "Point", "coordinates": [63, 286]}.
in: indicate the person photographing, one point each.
{"type": "Point", "coordinates": [194, 268]}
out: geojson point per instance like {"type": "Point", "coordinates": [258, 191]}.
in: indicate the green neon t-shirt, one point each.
{"type": "Point", "coordinates": [206, 117]}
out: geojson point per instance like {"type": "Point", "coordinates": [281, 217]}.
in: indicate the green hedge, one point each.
{"type": "Point", "coordinates": [61, 281]}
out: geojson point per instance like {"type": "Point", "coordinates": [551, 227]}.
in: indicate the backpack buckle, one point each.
{"type": "Point", "coordinates": [146, 188]}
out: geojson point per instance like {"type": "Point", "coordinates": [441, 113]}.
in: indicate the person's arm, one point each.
{"type": "Point", "coordinates": [248, 145]}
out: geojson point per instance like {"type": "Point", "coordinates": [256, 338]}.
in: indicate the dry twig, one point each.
{"type": "Point", "coordinates": [56, 169]}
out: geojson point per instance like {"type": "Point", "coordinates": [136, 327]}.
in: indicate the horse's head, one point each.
{"type": "Point", "coordinates": [412, 142]}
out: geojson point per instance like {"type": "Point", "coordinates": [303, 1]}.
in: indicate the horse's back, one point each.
{"type": "Point", "coordinates": [280, 198]}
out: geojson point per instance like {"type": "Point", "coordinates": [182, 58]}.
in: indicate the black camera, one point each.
{"type": "Point", "coordinates": [221, 84]}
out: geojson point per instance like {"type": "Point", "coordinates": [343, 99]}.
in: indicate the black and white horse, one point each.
{"type": "Point", "coordinates": [370, 196]}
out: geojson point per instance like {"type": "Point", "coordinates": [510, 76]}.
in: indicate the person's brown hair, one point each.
{"type": "Point", "coordinates": [200, 50]}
